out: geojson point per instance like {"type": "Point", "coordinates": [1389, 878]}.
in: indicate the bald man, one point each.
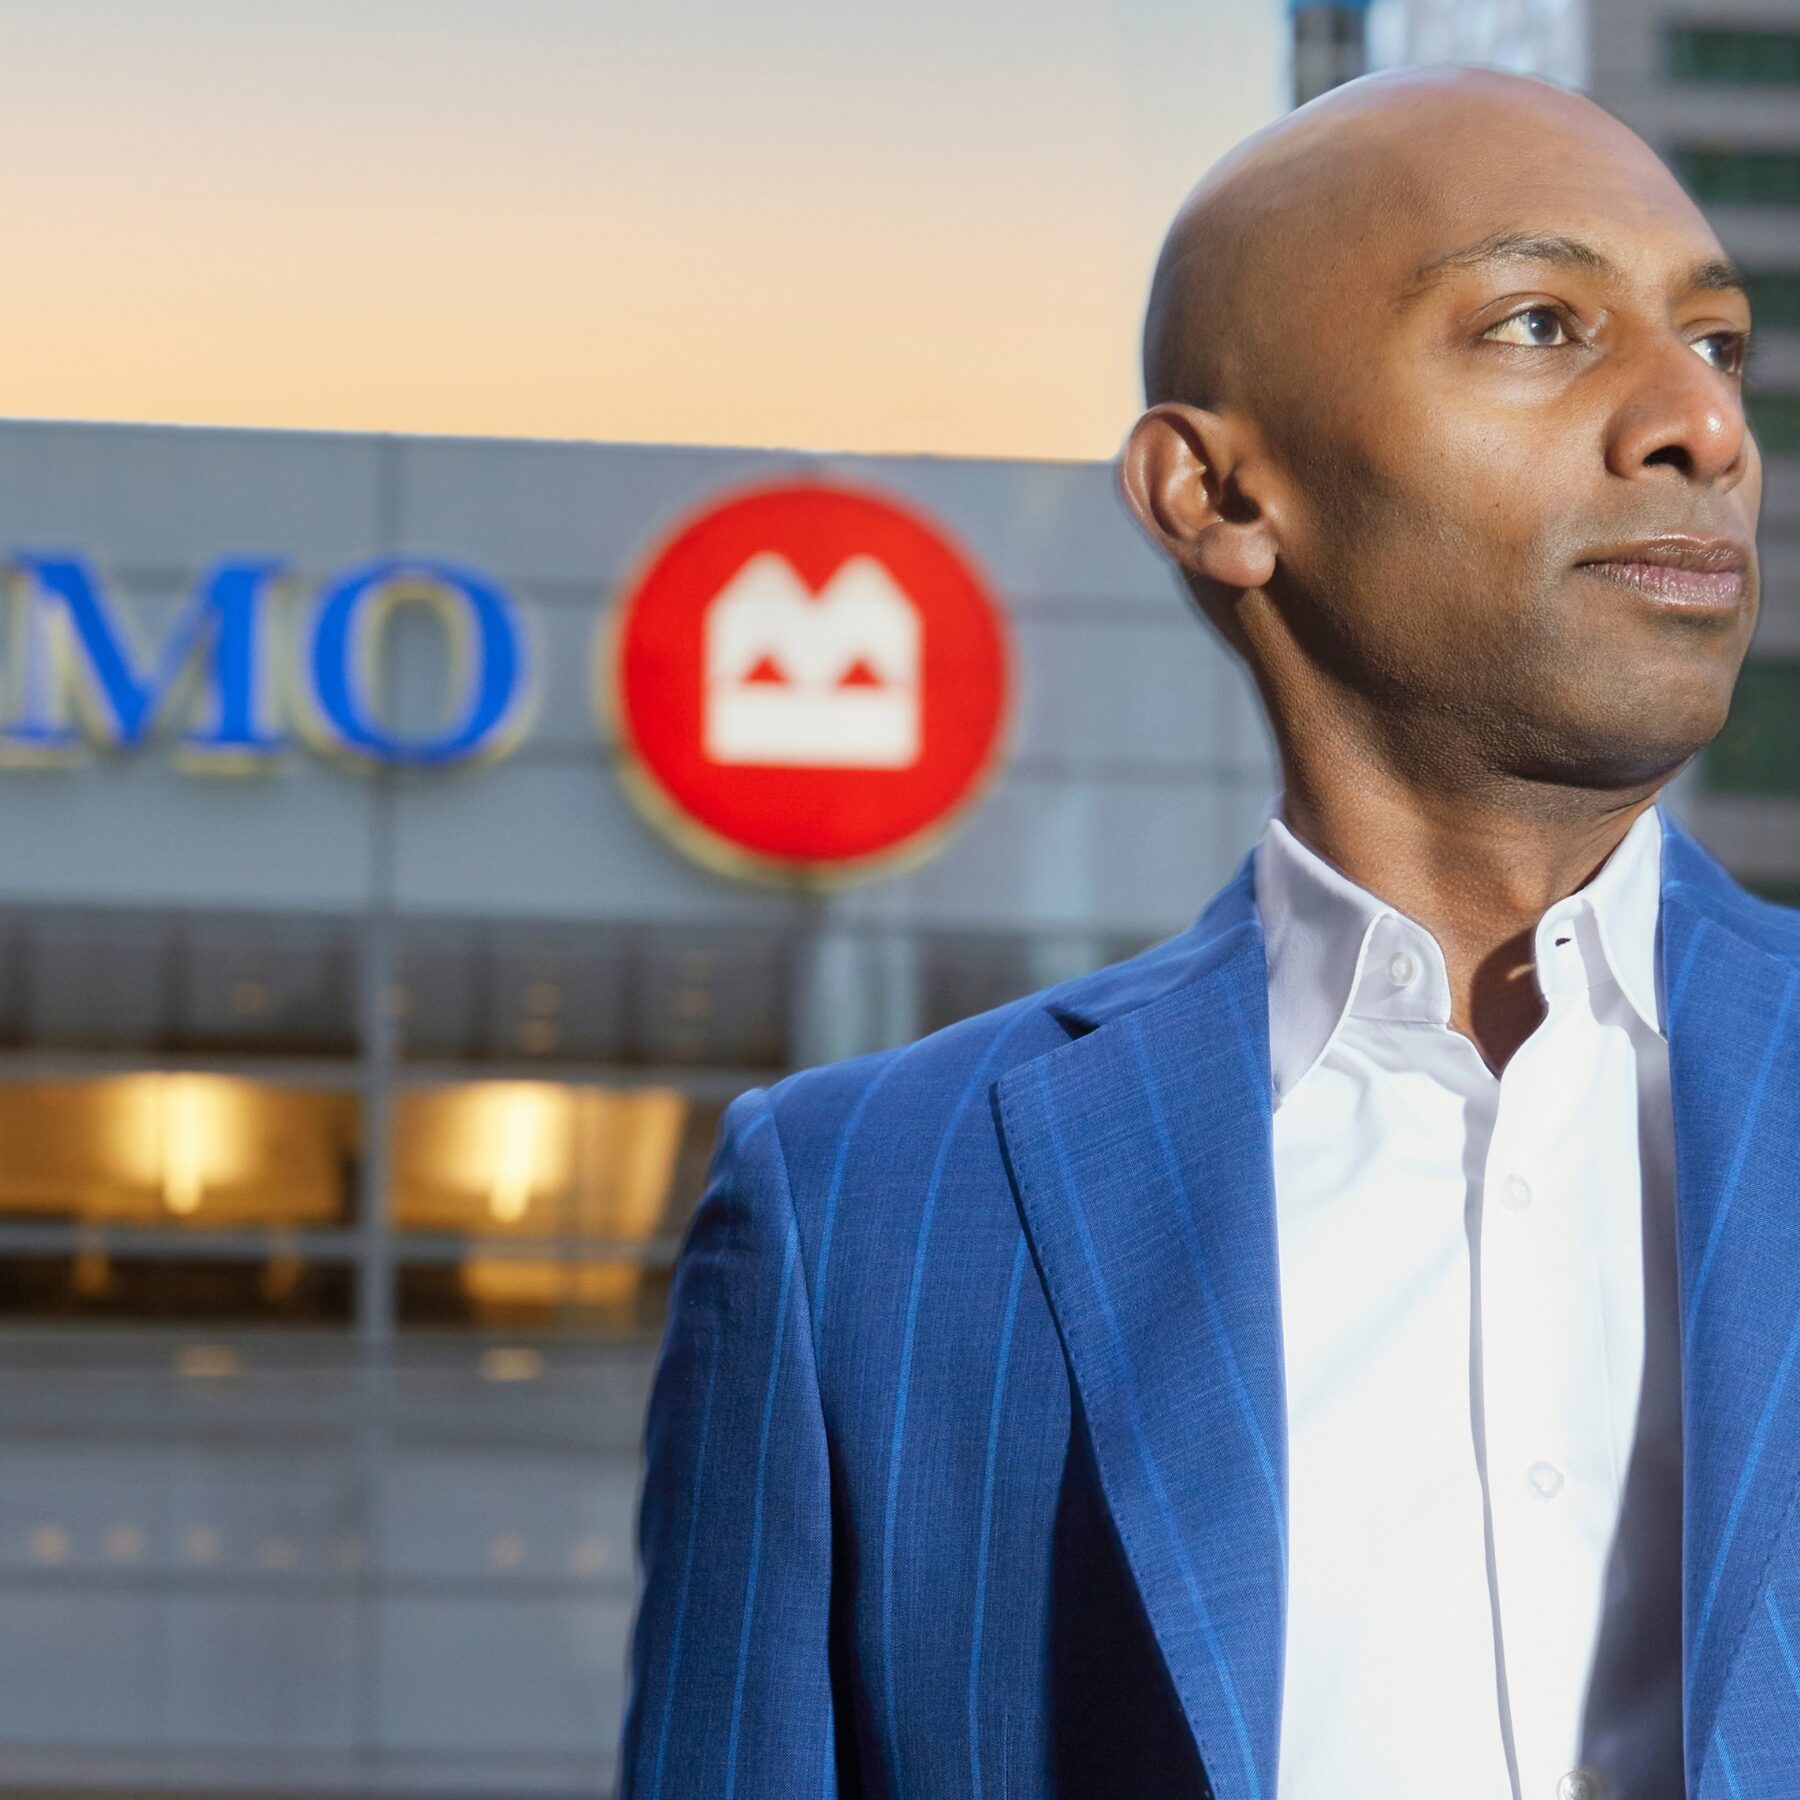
{"type": "Point", "coordinates": [1349, 1349]}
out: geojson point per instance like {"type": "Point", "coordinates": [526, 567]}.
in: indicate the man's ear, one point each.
{"type": "Point", "coordinates": [1181, 475]}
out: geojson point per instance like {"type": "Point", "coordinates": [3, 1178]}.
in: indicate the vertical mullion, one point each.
{"type": "Point", "coordinates": [379, 983]}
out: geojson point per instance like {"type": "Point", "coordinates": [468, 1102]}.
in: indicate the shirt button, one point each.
{"type": "Point", "coordinates": [1578, 1784]}
{"type": "Point", "coordinates": [1546, 1482]}
{"type": "Point", "coordinates": [1402, 968]}
{"type": "Point", "coordinates": [1515, 1196]}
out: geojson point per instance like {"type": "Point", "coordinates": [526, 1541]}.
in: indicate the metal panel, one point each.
{"type": "Point", "coordinates": [142, 832]}
{"type": "Point", "coordinates": [181, 497]}
{"type": "Point", "coordinates": [593, 514]}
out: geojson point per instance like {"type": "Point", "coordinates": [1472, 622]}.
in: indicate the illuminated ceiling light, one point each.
{"type": "Point", "coordinates": [49, 1544]}
{"type": "Point", "coordinates": [511, 1362]}
{"type": "Point", "coordinates": [202, 1543]}
{"type": "Point", "coordinates": [183, 1144]}
{"type": "Point", "coordinates": [208, 1360]}
{"type": "Point", "coordinates": [590, 1556]}
{"type": "Point", "coordinates": [648, 1126]}
{"type": "Point", "coordinates": [520, 1128]}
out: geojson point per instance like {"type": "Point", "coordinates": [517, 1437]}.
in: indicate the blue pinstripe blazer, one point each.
{"type": "Point", "coordinates": [966, 1454]}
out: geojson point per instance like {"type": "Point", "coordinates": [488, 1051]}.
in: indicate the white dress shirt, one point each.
{"type": "Point", "coordinates": [1482, 1359]}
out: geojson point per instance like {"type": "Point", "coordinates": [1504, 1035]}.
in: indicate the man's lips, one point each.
{"type": "Point", "coordinates": [1681, 571]}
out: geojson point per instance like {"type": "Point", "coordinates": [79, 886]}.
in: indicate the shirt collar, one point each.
{"type": "Point", "coordinates": [1335, 949]}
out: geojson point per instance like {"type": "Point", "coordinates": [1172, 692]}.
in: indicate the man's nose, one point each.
{"type": "Point", "coordinates": [1682, 414]}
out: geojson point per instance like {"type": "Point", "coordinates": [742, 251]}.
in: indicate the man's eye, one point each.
{"type": "Point", "coordinates": [1538, 326]}
{"type": "Point", "coordinates": [1725, 350]}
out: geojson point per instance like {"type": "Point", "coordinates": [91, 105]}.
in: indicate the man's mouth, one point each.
{"type": "Point", "coordinates": [1697, 572]}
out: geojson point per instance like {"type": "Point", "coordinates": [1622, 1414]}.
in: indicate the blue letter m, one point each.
{"type": "Point", "coordinates": [71, 654]}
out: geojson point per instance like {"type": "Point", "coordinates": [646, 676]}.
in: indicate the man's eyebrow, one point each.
{"type": "Point", "coordinates": [1509, 247]}
{"type": "Point", "coordinates": [1718, 274]}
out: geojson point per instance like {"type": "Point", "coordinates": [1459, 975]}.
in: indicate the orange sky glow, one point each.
{"type": "Point", "coordinates": [815, 223]}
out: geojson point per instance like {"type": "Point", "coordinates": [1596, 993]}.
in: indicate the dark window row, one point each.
{"type": "Point", "coordinates": [466, 995]}
{"type": "Point", "coordinates": [1758, 752]}
{"type": "Point", "coordinates": [1761, 56]}
{"type": "Point", "coordinates": [109, 1160]}
{"type": "Point", "coordinates": [589, 1299]}
{"type": "Point", "coordinates": [1774, 298]}
{"type": "Point", "coordinates": [1776, 419]}
{"type": "Point", "coordinates": [1732, 175]}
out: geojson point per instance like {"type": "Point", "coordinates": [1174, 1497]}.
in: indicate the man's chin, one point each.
{"type": "Point", "coordinates": [1614, 738]}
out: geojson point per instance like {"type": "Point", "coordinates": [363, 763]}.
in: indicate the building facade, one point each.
{"type": "Point", "coordinates": [351, 1107]}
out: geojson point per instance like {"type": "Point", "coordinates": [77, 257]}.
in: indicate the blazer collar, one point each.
{"type": "Point", "coordinates": [1091, 1000]}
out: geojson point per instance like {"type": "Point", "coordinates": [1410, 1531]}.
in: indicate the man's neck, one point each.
{"type": "Point", "coordinates": [1477, 875]}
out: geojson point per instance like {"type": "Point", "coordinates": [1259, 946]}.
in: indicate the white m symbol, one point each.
{"type": "Point", "coordinates": [803, 680]}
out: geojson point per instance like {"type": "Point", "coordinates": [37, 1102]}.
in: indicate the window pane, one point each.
{"type": "Point", "coordinates": [1776, 421]}
{"type": "Point", "coordinates": [281, 1289]}
{"type": "Point", "coordinates": [176, 1150]}
{"type": "Point", "coordinates": [968, 972]}
{"type": "Point", "coordinates": [1775, 298]}
{"type": "Point", "coordinates": [1735, 177]}
{"type": "Point", "coordinates": [1709, 53]}
{"type": "Point", "coordinates": [266, 986]}
{"type": "Point", "coordinates": [537, 1159]}
{"type": "Point", "coordinates": [632, 996]}
{"type": "Point", "coordinates": [1758, 752]}
{"type": "Point", "coordinates": [1782, 891]}
{"type": "Point", "coordinates": [546, 1166]}
{"type": "Point", "coordinates": [601, 1299]}
{"type": "Point", "coordinates": [99, 980]}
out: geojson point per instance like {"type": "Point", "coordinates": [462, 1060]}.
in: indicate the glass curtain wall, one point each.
{"type": "Point", "coordinates": [385, 1127]}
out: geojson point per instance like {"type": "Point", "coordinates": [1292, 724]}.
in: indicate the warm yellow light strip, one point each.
{"type": "Point", "coordinates": [521, 1120]}
{"type": "Point", "coordinates": [183, 1144]}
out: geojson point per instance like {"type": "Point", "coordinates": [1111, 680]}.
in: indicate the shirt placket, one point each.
{"type": "Point", "coordinates": [1550, 1466]}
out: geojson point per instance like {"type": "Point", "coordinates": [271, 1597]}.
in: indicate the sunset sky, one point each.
{"type": "Point", "coordinates": [812, 223]}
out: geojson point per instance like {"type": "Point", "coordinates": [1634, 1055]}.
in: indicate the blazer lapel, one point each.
{"type": "Point", "coordinates": [1732, 1009]}
{"type": "Point", "coordinates": [1141, 1157]}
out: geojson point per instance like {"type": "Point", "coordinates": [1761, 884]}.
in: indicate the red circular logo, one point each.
{"type": "Point", "coordinates": [808, 676]}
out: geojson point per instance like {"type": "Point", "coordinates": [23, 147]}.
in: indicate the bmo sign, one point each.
{"type": "Point", "coordinates": [81, 673]}
{"type": "Point", "coordinates": [808, 680]}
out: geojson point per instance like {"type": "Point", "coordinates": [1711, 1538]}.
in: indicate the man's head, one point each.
{"type": "Point", "coordinates": [1446, 433]}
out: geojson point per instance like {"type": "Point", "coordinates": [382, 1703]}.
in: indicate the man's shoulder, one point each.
{"type": "Point", "coordinates": [916, 1079]}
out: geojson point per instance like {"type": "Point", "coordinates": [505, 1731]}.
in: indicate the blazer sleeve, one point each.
{"type": "Point", "coordinates": [730, 1685]}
